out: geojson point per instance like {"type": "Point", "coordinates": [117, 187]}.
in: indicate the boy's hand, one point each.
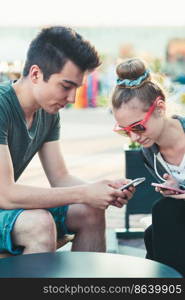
{"type": "Point", "coordinates": [127, 194]}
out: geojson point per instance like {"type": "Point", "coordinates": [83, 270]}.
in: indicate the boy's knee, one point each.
{"type": "Point", "coordinates": [35, 222]}
{"type": "Point", "coordinates": [35, 230]}
{"type": "Point", "coordinates": [94, 216]}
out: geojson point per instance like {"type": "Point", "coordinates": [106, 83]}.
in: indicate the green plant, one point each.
{"type": "Point", "coordinates": [134, 145]}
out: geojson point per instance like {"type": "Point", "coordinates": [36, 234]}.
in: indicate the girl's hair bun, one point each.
{"type": "Point", "coordinates": [131, 69]}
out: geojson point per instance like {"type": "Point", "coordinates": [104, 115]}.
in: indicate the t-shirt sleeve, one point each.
{"type": "Point", "coordinates": [3, 128]}
{"type": "Point", "coordinates": [54, 133]}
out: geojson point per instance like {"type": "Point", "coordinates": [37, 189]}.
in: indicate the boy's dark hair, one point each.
{"type": "Point", "coordinates": [54, 46]}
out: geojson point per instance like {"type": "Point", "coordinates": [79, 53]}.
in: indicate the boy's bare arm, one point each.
{"type": "Point", "coordinates": [13, 195]}
{"type": "Point", "coordinates": [54, 166]}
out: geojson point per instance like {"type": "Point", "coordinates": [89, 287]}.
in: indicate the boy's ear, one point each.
{"type": "Point", "coordinates": [35, 73]}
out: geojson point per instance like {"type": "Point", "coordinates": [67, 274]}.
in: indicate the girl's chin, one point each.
{"type": "Point", "coordinates": [147, 143]}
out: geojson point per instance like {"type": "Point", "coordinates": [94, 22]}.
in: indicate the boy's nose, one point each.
{"type": "Point", "coordinates": [71, 97]}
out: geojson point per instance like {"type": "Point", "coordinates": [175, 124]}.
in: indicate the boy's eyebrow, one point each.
{"type": "Point", "coordinates": [71, 82]}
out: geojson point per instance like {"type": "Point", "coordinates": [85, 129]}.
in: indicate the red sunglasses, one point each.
{"type": "Point", "coordinates": [138, 127]}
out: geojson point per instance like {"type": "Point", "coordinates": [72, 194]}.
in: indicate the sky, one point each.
{"type": "Point", "coordinates": [92, 13]}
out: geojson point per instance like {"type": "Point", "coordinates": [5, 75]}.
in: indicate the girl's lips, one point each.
{"type": "Point", "coordinates": [144, 141]}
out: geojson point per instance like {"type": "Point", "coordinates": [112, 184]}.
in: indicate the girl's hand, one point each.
{"type": "Point", "coordinates": [179, 196]}
{"type": "Point", "coordinates": [170, 181]}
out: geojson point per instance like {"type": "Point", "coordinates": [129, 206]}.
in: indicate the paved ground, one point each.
{"type": "Point", "coordinates": [92, 151]}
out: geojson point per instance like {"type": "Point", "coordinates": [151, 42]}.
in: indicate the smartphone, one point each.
{"type": "Point", "coordinates": [134, 182]}
{"type": "Point", "coordinates": [165, 187]}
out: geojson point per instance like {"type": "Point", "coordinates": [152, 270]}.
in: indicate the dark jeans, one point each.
{"type": "Point", "coordinates": [165, 238]}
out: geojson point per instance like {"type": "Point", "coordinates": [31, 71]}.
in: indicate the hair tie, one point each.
{"type": "Point", "coordinates": [135, 82]}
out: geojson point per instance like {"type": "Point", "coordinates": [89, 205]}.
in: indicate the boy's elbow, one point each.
{"type": "Point", "coordinates": [5, 199]}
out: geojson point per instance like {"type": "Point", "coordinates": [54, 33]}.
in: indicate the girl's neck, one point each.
{"type": "Point", "coordinates": [172, 136]}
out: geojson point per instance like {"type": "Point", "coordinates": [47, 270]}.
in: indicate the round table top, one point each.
{"type": "Point", "coordinates": [83, 265]}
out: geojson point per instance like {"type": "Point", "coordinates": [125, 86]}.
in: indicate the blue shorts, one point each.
{"type": "Point", "coordinates": [8, 218]}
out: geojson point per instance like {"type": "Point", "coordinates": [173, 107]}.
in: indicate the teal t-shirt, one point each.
{"type": "Point", "coordinates": [24, 143]}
